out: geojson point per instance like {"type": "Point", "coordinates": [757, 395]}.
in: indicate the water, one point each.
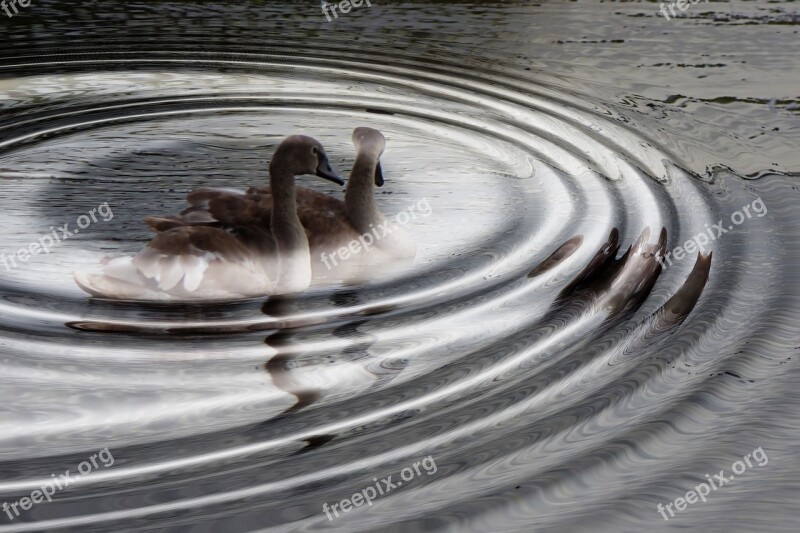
{"type": "Point", "coordinates": [542, 404]}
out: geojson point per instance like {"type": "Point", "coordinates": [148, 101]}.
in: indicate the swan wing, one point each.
{"type": "Point", "coordinates": [184, 262]}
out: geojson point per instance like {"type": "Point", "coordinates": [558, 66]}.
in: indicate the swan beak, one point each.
{"type": "Point", "coordinates": [378, 175]}
{"type": "Point", "coordinates": [325, 171]}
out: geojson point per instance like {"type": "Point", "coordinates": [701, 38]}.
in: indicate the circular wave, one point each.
{"type": "Point", "coordinates": [541, 331]}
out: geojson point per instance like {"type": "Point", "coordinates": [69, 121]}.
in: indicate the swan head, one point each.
{"type": "Point", "coordinates": [371, 142]}
{"type": "Point", "coordinates": [300, 154]}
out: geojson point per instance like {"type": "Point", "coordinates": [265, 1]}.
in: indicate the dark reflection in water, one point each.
{"type": "Point", "coordinates": [561, 376]}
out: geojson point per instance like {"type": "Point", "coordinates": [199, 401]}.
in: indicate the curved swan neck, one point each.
{"type": "Point", "coordinates": [359, 198]}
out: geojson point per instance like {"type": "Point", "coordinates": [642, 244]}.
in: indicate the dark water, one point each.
{"type": "Point", "coordinates": [566, 392]}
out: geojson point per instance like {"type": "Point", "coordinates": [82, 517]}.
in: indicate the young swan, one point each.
{"type": "Point", "coordinates": [356, 220]}
{"type": "Point", "coordinates": [206, 262]}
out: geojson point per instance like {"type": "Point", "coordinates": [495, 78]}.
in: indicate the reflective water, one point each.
{"type": "Point", "coordinates": [554, 384]}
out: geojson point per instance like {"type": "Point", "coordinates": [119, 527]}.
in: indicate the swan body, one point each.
{"type": "Point", "coordinates": [202, 261]}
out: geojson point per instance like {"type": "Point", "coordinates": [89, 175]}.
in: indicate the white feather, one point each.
{"type": "Point", "coordinates": [194, 268]}
{"type": "Point", "coordinates": [148, 265]}
{"type": "Point", "coordinates": [121, 268]}
{"type": "Point", "coordinates": [171, 272]}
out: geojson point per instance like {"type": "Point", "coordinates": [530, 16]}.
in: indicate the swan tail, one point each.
{"type": "Point", "coordinates": [103, 286]}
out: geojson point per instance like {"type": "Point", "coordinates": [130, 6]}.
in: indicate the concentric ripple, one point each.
{"type": "Point", "coordinates": [557, 381]}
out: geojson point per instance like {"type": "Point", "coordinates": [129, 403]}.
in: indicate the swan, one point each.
{"type": "Point", "coordinates": [351, 239]}
{"type": "Point", "coordinates": [208, 262]}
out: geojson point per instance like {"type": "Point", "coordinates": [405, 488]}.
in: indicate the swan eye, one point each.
{"type": "Point", "coordinates": [314, 150]}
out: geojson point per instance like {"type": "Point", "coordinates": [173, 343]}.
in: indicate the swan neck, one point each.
{"type": "Point", "coordinates": [291, 242]}
{"type": "Point", "coordinates": [359, 198]}
{"type": "Point", "coordinates": [286, 226]}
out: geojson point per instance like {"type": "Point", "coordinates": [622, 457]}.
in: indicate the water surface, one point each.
{"type": "Point", "coordinates": [556, 383]}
